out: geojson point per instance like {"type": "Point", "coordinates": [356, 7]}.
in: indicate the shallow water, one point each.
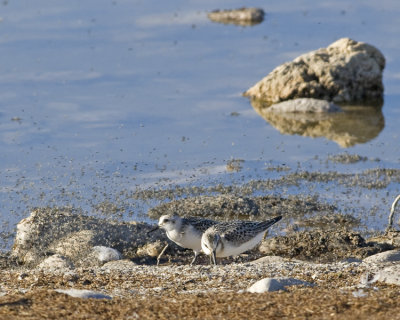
{"type": "Point", "coordinates": [100, 99]}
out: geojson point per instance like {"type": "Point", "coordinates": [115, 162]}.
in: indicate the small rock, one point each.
{"type": "Point", "coordinates": [346, 158]}
{"type": "Point", "coordinates": [275, 284]}
{"type": "Point", "coordinates": [387, 256]}
{"type": "Point", "coordinates": [77, 293]}
{"type": "Point", "coordinates": [22, 276]}
{"type": "Point", "coordinates": [242, 16]}
{"type": "Point", "coordinates": [234, 165]}
{"type": "Point", "coordinates": [55, 262]}
{"type": "Point", "coordinates": [100, 255]}
{"type": "Point", "coordinates": [305, 105]}
{"type": "Point", "coordinates": [359, 294]}
{"type": "Point", "coordinates": [106, 254]}
{"type": "Point", "coordinates": [151, 249]}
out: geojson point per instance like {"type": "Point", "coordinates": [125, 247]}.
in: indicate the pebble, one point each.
{"type": "Point", "coordinates": [85, 294]}
{"type": "Point", "coordinates": [276, 284]}
{"type": "Point", "coordinates": [106, 254]}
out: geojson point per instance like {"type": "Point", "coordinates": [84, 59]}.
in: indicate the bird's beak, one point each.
{"type": "Point", "coordinates": [214, 257]}
{"type": "Point", "coordinates": [154, 229]}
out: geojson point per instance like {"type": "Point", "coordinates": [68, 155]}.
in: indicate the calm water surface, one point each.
{"type": "Point", "coordinates": [100, 98]}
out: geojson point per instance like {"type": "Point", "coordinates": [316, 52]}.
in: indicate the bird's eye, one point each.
{"type": "Point", "coordinates": [166, 220]}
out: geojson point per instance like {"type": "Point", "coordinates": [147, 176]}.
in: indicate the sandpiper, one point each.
{"type": "Point", "coordinates": [185, 232]}
{"type": "Point", "coordinates": [233, 238]}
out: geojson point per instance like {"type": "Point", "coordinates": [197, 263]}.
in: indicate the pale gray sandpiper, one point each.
{"type": "Point", "coordinates": [233, 238]}
{"type": "Point", "coordinates": [185, 232]}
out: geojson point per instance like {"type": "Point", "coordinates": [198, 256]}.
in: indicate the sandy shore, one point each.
{"type": "Point", "coordinates": [200, 292]}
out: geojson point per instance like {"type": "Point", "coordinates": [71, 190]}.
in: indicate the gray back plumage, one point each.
{"type": "Point", "coordinates": [242, 231]}
{"type": "Point", "coordinates": [199, 224]}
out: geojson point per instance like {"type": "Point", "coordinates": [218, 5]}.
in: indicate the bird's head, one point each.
{"type": "Point", "coordinates": [210, 242]}
{"type": "Point", "coordinates": [169, 222]}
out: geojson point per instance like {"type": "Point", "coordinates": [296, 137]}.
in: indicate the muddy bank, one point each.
{"type": "Point", "coordinates": [343, 283]}
{"type": "Point", "coordinates": [56, 237]}
{"type": "Point", "coordinates": [376, 178]}
{"type": "Point", "coordinates": [225, 207]}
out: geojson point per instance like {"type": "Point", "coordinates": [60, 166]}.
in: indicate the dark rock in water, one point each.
{"type": "Point", "coordinates": [346, 158]}
{"type": "Point", "coordinates": [347, 71]}
{"type": "Point", "coordinates": [226, 207]}
{"type": "Point", "coordinates": [242, 16]}
{"type": "Point", "coordinates": [322, 246]}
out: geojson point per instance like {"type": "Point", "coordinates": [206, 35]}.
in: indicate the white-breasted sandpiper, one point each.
{"type": "Point", "coordinates": [185, 232]}
{"type": "Point", "coordinates": [233, 238]}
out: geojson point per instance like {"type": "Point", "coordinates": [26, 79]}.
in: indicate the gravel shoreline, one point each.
{"type": "Point", "coordinates": [201, 291]}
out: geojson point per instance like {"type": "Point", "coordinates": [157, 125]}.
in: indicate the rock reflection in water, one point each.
{"type": "Point", "coordinates": [356, 124]}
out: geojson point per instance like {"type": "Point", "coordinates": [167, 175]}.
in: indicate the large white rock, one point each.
{"type": "Point", "coordinates": [74, 235]}
{"type": "Point", "coordinates": [276, 284]}
{"type": "Point", "coordinates": [85, 294]}
{"type": "Point", "coordinates": [347, 71]}
{"type": "Point", "coordinates": [382, 257]}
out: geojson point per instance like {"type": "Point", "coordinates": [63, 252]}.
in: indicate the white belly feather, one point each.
{"type": "Point", "coordinates": [190, 239]}
{"type": "Point", "coordinates": [233, 249]}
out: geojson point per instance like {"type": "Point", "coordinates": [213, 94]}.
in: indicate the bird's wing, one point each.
{"type": "Point", "coordinates": [200, 224]}
{"type": "Point", "coordinates": [243, 231]}
{"type": "Point", "coordinates": [239, 231]}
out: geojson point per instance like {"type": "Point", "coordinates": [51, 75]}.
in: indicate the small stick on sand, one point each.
{"type": "Point", "coordinates": [390, 225]}
{"type": "Point", "coordinates": [161, 253]}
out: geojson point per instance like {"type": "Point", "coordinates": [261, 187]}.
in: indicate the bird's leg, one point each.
{"type": "Point", "coordinates": [194, 259]}
{"type": "Point", "coordinates": [161, 253]}
{"type": "Point", "coordinates": [214, 258]}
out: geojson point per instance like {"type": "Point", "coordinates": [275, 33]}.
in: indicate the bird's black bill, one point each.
{"type": "Point", "coordinates": [154, 229]}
